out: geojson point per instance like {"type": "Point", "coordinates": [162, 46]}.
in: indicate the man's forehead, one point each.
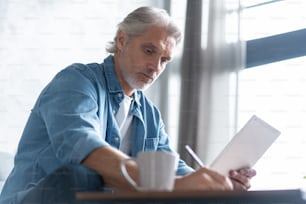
{"type": "Point", "coordinates": [159, 41]}
{"type": "Point", "coordinates": [158, 33]}
{"type": "Point", "coordinates": [161, 47]}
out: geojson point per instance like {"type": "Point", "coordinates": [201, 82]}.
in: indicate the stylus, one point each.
{"type": "Point", "coordinates": [194, 156]}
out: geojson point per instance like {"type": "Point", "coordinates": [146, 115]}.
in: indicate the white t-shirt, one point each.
{"type": "Point", "coordinates": [124, 121]}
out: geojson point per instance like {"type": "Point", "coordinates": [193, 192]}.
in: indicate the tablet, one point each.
{"type": "Point", "coordinates": [246, 147]}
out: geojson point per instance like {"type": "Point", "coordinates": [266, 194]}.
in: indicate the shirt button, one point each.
{"type": "Point", "coordinates": [116, 139]}
{"type": "Point", "coordinates": [120, 95]}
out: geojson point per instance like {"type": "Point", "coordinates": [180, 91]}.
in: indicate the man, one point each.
{"type": "Point", "coordinates": [75, 137]}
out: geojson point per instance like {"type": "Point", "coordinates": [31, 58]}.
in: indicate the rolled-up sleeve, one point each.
{"type": "Point", "coordinates": [69, 109]}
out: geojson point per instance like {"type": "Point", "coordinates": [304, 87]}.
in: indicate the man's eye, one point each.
{"type": "Point", "coordinates": [148, 51]}
{"type": "Point", "coordinates": [164, 60]}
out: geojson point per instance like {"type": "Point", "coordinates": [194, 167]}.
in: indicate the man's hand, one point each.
{"type": "Point", "coordinates": [241, 178]}
{"type": "Point", "coordinates": [203, 179]}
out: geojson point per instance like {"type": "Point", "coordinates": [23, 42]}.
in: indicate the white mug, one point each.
{"type": "Point", "coordinates": [156, 171]}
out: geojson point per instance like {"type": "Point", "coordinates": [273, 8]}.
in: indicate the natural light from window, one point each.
{"type": "Point", "coordinates": [271, 19]}
{"type": "Point", "coordinates": [276, 93]}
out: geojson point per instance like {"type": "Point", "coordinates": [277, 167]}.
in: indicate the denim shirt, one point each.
{"type": "Point", "coordinates": [73, 116]}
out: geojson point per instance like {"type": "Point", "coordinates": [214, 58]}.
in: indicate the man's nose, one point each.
{"type": "Point", "coordinates": [155, 65]}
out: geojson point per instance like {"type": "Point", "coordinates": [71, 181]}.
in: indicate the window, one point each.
{"type": "Point", "coordinates": [276, 92]}
{"type": "Point", "coordinates": [267, 18]}
{"type": "Point", "coordinates": [274, 88]}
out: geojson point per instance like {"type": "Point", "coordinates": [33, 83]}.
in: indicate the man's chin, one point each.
{"type": "Point", "coordinates": [141, 86]}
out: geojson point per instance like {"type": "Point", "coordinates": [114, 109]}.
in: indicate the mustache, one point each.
{"type": "Point", "coordinates": [150, 73]}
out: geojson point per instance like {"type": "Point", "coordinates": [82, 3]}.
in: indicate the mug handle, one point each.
{"type": "Point", "coordinates": [126, 174]}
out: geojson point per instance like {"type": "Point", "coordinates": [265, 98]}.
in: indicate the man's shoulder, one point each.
{"type": "Point", "coordinates": [93, 67]}
{"type": "Point", "coordinates": [90, 71]}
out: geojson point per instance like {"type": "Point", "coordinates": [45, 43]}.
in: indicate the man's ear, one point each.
{"type": "Point", "coordinates": [121, 39]}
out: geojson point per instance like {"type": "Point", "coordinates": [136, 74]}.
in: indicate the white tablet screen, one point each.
{"type": "Point", "coordinates": [246, 147]}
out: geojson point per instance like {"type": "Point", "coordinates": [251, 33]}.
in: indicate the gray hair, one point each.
{"type": "Point", "coordinates": [137, 21]}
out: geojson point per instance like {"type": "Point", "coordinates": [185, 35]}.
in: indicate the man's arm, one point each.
{"type": "Point", "coordinates": [106, 161]}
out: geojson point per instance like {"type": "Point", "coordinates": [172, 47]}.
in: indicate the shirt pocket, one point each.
{"type": "Point", "coordinates": [151, 144]}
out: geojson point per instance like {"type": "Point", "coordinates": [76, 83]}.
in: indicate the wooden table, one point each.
{"type": "Point", "coordinates": [294, 196]}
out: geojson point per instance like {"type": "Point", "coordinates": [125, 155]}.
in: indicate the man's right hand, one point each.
{"type": "Point", "coordinates": [203, 179]}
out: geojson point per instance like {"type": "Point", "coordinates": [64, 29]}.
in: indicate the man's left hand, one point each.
{"type": "Point", "coordinates": [241, 178]}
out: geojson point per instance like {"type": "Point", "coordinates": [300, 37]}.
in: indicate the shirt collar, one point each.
{"type": "Point", "coordinates": [112, 81]}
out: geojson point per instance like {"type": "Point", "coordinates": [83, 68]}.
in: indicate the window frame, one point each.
{"type": "Point", "coordinates": [276, 48]}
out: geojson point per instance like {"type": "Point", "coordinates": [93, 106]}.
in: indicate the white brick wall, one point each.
{"type": "Point", "coordinates": [40, 37]}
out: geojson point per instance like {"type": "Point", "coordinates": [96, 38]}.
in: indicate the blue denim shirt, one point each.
{"type": "Point", "coordinates": [73, 116]}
